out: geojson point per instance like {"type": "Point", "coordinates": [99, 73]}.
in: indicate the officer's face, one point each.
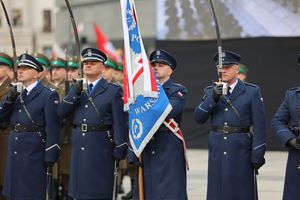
{"type": "Point", "coordinates": [242, 77]}
{"type": "Point", "coordinates": [92, 68]}
{"type": "Point", "coordinates": [27, 74]}
{"type": "Point", "coordinates": [72, 74]}
{"type": "Point", "coordinates": [230, 73]}
{"type": "Point", "coordinates": [162, 71]}
{"type": "Point", "coordinates": [58, 74]}
{"type": "Point", "coordinates": [3, 71]}
{"type": "Point", "coordinates": [119, 76]}
{"type": "Point", "coordinates": [108, 74]}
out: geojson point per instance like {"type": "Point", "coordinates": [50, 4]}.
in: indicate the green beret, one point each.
{"type": "Point", "coordinates": [42, 59]}
{"type": "Point", "coordinates": [243, 69]}
{"type": "Point", "coordinates": [111, 64]}
{"type": "Point", "coordinates": [120, 67]}
{"type": "Point", "coordinates": [72, 63]}
{"type": "Point", "coordinates": [57, 62]}
{"type": "Point", "coordinates": [6, 60]}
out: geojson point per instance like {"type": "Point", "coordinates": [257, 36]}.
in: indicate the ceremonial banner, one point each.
{"type": "Point", "coordinates": [144, 98]}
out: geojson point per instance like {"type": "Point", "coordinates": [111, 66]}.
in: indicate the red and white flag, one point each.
{"type": "Point", "coordinates": [104, 45]}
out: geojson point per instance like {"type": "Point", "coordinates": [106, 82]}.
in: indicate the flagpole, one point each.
{"type": "Point", "coordinates": [141, 179]}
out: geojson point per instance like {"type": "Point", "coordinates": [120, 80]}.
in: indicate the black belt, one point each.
{"type": "Point", "coordinates": [231, 129]}
{"type": "Point", "coordinates": [32, 128]}
{"type": "Point", "coordinates": [92, 128]}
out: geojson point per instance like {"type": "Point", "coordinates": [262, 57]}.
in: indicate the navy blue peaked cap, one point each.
{"type": "Point", "coordinates": [92, 54]}
{"type": "Point", "coordinates": [228, 58]}
{"type": "Point", "coordinates": [161, 56]}
{"type": "Point", "coordinates": [30, 61]}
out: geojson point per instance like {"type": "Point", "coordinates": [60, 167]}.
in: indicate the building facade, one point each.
{"type": "Point", "coordinates": [33, 23]}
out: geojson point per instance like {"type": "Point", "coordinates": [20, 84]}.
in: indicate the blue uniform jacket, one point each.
{"type": "Point", "coordinates": [230, 174]}
{"type": "Point", "coordinates": [25, 175]}
{"type": "Point", "coordinates": [288, 115]}
{"type": "Point", "coordinates": [94, 153]}
{"type": "Point", "coordinates": [163, 157]}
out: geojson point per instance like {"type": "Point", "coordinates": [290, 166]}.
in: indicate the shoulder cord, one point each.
{"type": "Point", "coordinates": [229, 103]}
{"type": "Point", "coordinates": [93, 103]}
{"type": "Point", "coordinates": [30, 117]}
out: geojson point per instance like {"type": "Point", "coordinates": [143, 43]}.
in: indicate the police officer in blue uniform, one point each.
{"type": "Point", "coordinates": [99, 135]}
{"type": "Point", "coordinates": [33, 143]}
{"type": "Point", "coordinates": [163, 158]}
{"type": "Point", "coordinates": [285, 124]}
{"type": "Point", "coordinates": [234, 151]}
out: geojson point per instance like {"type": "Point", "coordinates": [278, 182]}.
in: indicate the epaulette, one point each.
{"type": "Point", "coordinates": [209, 87]}
{"type": "Point", "coordinates": [50, 88]}
{"type": "Point", "coordinates": [250, 84]}
{"type": "Point", "coordinates": [177, 84]}
{"type": "Point", "coordinates": [294, 88]}
{"type": "Point", "coordinates": [114, 85]}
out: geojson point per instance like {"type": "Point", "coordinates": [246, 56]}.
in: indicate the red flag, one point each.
{"type": "Point", "coordinates": [104, 45]}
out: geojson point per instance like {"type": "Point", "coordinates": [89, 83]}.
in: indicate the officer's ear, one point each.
{"type": "Point", "coordinates": [170, 71]}
{"type": "Point", "coordinates": [36, 74]}
{"type": "Point", "coordinates": [237, 68]}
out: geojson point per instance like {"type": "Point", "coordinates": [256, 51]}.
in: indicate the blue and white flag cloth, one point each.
{"type": "Point", "coordinates": [144, 98]}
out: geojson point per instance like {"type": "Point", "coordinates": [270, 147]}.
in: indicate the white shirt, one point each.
{"type": "Point", "coordinates": [30, 87]}
{"type": "Point", "coordinates": [95, 82]}
{"type": "Point", "coordinates": [232, 86]}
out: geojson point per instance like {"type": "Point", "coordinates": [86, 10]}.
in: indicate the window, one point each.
{"type": "Point", "coordinates": [47, 21]}
{"type": "Point", "coordinates": [17, 17]}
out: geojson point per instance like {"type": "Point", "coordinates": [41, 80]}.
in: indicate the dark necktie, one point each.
{"type": "Point", "coordinates": [228, 91]}
{"type": "Point", "coordinates": [91, 87]}
{"type": "Point", "coordinates": [24, 94]}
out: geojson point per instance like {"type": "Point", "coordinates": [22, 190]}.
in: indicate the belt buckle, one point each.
{"type": "Point", "coordinates": [84, 127]}
{"type": "Point", "coordinates": [226, 129]}
{"type": "Point", "coordinates": [16, 127]}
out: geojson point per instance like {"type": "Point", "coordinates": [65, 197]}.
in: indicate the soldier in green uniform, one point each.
{"type": "Point", "coordinates": [65, 157]}
{"type": "Point", "coordinates": [45, 62]}
{"type": "Point", "coordinates": [72, 66]}
{"type": "Point", "coordinates": [110, 70]}
{"type": "Point", "coordinates": [6, 65]}
{"type": "Point", "coordinates": [59, 73]}
{"type": "Point", "coordinates": [119, 74]}
{"type": "Point", "coordinates": [242, 75]}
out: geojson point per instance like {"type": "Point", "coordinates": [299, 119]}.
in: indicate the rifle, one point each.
{"type": "Point", "coordinates": [80, 70]}
{"type": "Point", "coordinates": [255, 194]}
{"type": "Point", "coordinates": [219, 42]}
{"type": "Point", "coordinates": [67, 85]}
{"type": "Point", "coordinates": [15, 83]}
{"type": "Point", "coordinates": [50, 184]}
{"type": "Point", "coordinates": [114, 197]}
